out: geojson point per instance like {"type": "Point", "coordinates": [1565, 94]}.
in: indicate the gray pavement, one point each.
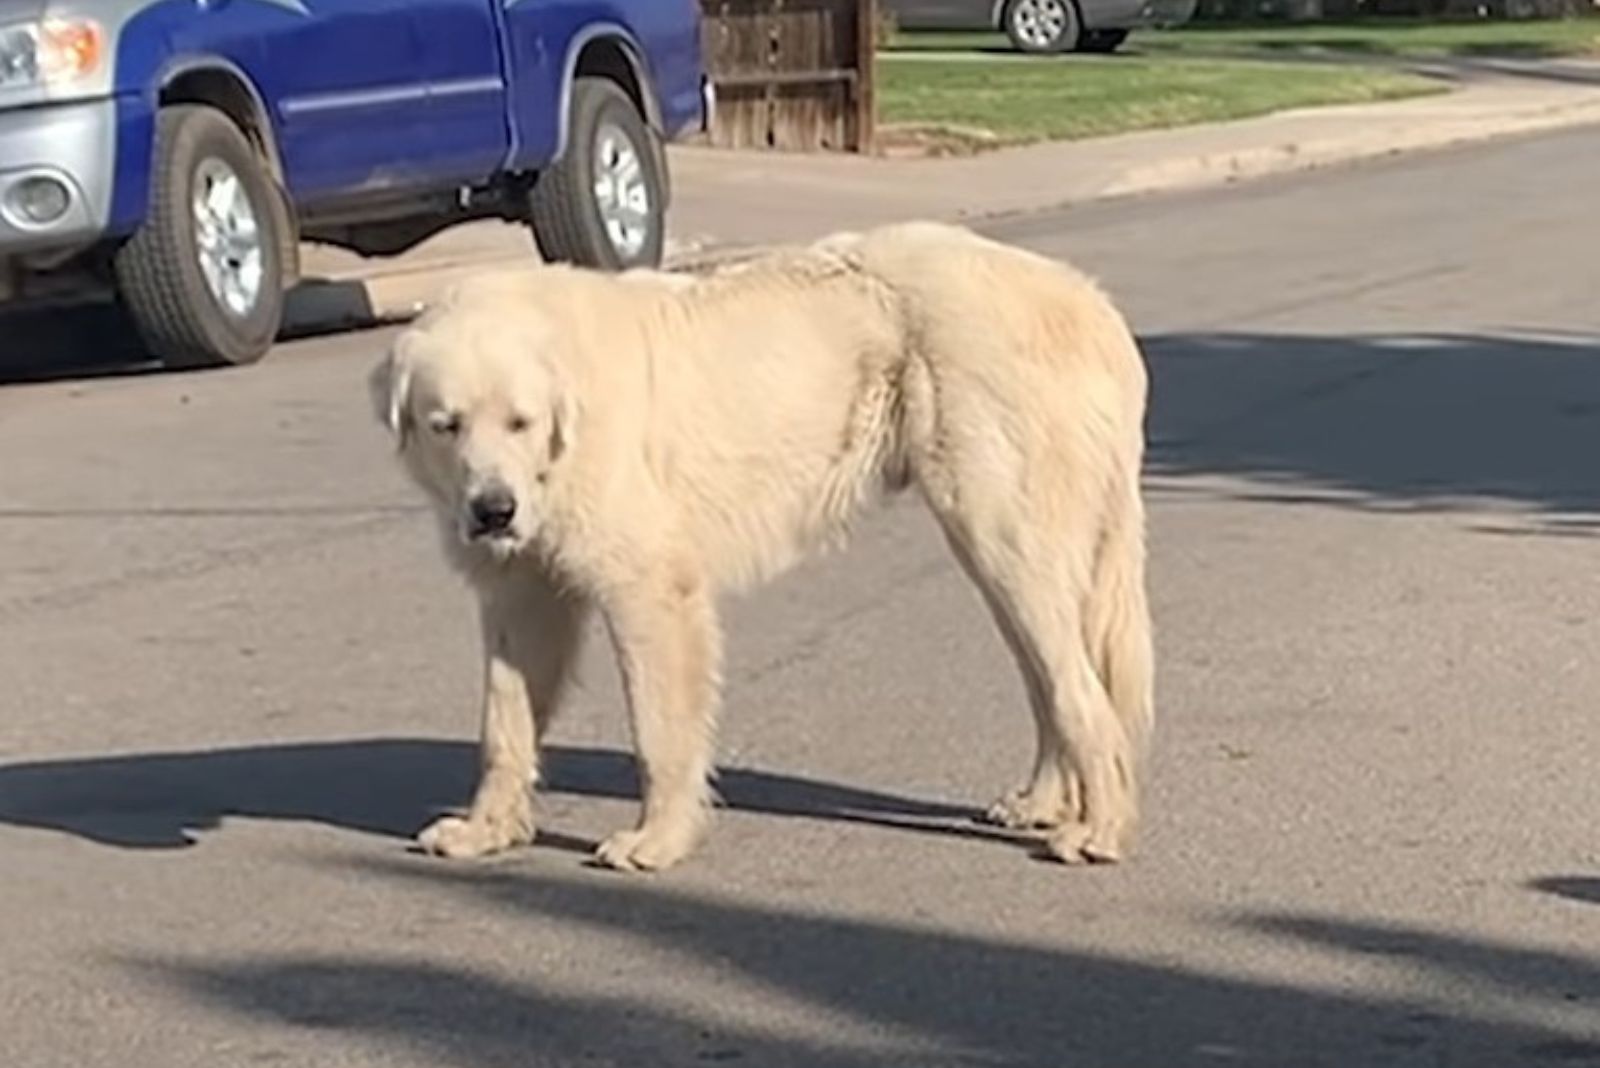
{"type": "Point", "coordinates": [238, 677]}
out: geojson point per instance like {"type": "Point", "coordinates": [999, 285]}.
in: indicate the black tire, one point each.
{"type": "Point", "coordinates": [1102, 41]}
{"type": "Point", "coordinates": [567, 223]}
{"type": "Point", "coordinates": [1017, 11]}
{"type": "Point", "coordinates": [288, 237]}
{"type": "Point", "coordinates": [159, 278]}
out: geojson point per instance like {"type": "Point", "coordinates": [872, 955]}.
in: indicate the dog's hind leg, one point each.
{"type": "Point", "coordinates": [531, 635]}
{"type": "Point", "coordinates": [1038, 581]}
{"type": "Point", "coordinates": [668, 645]}
{"type": "Point", "coordinates": [1049, 797]}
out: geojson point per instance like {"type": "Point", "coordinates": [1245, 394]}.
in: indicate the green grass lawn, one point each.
{"type": "Point", "coordinates": [1392, 37]}
{"type": "Point", "coordinates": [1029, 99]}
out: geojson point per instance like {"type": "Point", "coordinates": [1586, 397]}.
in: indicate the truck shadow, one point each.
{"type": "Point", "coordinates": [1584, 889]}
{"type": "Point", "coordinates": [95, 339]}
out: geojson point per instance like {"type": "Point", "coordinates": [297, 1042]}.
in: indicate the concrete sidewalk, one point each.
{"type": "Point", "coordinates": [731, 199]}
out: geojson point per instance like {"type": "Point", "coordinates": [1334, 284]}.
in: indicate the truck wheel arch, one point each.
{"type": "Point", "coordinates": [218, 83]}
{"type": "Point", "coordinates": [215, 82]}
{"type": "Point", "coordinates": [607, 50]}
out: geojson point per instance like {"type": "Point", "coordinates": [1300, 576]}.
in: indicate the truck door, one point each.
{"type": "Point", "coordinates": [537, 34]}
{"type": "Point", "coordinates": [346, 81]}
{"type": "Point", "coordinates": [467, 134]}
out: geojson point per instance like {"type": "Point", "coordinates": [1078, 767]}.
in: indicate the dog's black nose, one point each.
{"type": "Point", "coordinates": [492, 510]}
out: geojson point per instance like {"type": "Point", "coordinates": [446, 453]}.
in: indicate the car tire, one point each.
{"type": "Point", "coordinates": [1042, 26]}
{"type": "Point", "coordinates": [1102, 41]}
{"type": "Point", "coordinates": [577, 216]}
{"type": "Point", "coordinates": [203, 277]}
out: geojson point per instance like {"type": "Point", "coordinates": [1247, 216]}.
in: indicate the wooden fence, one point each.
{"type": "Point", "coordinates": [791, 75]}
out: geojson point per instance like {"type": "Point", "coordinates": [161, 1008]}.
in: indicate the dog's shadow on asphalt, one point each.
{"type": "Point", "coordinates": [378, 786]}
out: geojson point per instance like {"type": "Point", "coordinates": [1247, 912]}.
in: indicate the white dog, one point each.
{"type": "Point", "coordinates": [642, 443]}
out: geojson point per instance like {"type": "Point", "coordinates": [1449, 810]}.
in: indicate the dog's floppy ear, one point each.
{"type": "Point", "coordinates": [564, 418]}
{"type": "Point", "coordinates": [390, 387]}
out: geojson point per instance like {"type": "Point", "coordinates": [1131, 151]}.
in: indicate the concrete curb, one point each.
{"type": "Point", "coordinates": [396, 292]}
{"type": "Point", "coordinates": [1226, 167]}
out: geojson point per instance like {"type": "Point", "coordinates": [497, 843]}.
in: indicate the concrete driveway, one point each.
{"type": "Point", "coordinates": [237, 678]}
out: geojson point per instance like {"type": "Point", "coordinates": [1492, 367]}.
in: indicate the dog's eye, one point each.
{"type": "Point", "coordinates": [517, 424]}
{"type": "Point", "coordinates": [447, 423]}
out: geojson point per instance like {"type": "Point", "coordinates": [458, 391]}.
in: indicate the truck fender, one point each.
{"type": "Point", "coordinates": [250, 111]}
{"type": "Point", "coordinates": [631, 52]}
{"type": "Point", "coordinates": [633, 56]}
{"type": "Point", "coordinates": [261, 126]}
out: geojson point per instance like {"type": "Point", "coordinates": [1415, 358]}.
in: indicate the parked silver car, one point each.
{"type": "Point", "coordinates": [1044, 25]}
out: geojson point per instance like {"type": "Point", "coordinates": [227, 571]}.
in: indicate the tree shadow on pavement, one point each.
{"type": "Point", "coordinates": [719, 981]}
{"type": "Point", "coordinates": [386, 787]}
{"type": "Point", "coordinates": [1392, 422]}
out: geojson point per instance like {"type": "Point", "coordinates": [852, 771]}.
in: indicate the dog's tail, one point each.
{"type": "Point", "coordinates": [1117, 619]}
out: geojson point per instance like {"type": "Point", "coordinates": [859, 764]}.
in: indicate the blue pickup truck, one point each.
{"type": "Point", "coordinates": [179, 151]}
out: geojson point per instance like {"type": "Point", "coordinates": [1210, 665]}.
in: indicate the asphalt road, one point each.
{"type": "Point", "coordinates": [237, 678]}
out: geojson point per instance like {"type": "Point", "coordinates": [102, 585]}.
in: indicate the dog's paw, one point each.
{"type": "Point", "coordinates": [1084, 843]}
{"type": "Point", "coordinates": [458, 838]}
{"type": "Point", "coordinates": [645, 849]}
{"type": "Point", "coordinates": [1027, 809]}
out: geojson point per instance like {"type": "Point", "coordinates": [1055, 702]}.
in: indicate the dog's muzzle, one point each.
{"type": "Point", "coordinates": [490, 512]}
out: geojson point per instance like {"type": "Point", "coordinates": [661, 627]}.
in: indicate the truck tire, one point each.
{"type": "Point", "coordinates": [203, 277]}
{"type": "Point", "coordinates": [603, 203]}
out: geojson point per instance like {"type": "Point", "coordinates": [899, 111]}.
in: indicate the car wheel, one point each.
{"type": "Point", "coordinates": [1102, 40]}
{"type": "Point", "coordinates": [1042, 26]}
{"type": "Point", "coordinates": [202, 278]}
{"type": "Point", "coordinates": [603, 204]}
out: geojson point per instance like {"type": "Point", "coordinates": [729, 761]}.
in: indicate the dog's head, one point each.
{"type": "Point", "coordinates": [475, 397]}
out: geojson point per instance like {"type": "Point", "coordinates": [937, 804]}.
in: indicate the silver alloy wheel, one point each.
{"type": "Point", "coordinates": [227, 238]}
{"type": "Point", "coordinates": [1040, 22]}
{"type": "Point", "coordinates": [621, 191]}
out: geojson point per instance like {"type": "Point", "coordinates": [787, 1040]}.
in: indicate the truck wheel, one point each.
{"type": "Point", "coordinates": [202, 279]}
{"type": "Point", "coordinates": [603, 203]}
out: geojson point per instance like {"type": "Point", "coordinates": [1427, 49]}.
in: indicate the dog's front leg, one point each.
{"type": "Point", "coordinates": [668, 645]}
{"type": "Point", "coordinates": [531, 632]}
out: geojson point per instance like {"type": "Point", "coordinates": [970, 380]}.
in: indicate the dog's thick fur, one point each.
{"type": "Point", "coordinates": [665, 438]}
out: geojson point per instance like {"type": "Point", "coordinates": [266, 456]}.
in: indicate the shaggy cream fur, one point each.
{"type": "Point", "coordinates": [643, 443]}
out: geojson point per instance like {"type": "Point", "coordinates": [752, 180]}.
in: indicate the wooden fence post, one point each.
{"type": "Point", "coordinates": [866, 75]}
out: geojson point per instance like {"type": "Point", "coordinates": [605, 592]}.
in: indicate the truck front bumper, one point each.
{"type": "Point", "coordinates": [57, 169]}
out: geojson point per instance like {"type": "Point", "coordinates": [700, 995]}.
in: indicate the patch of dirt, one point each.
{"type": "Point", "coordinates": [934, 140]}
